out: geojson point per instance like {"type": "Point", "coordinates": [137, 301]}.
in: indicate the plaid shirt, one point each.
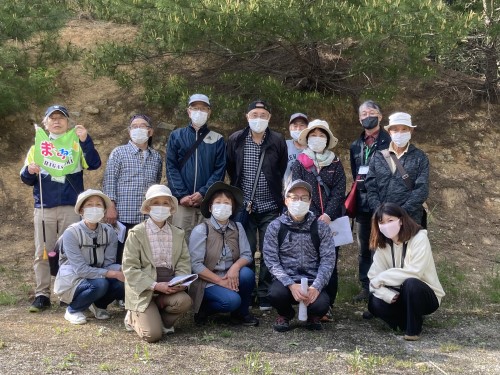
{"type": "Point", "coordinates": [160, 240]}
{"type": "Point", "coordinates": [263, 200]}
{"type": "Point", "coordinates": [129, 173]}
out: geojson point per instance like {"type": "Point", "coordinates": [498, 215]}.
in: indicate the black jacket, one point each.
{"type": "Point", "coordinates": [357, 151]}
{"type": "Point", "coordinates": [273, 166]}
{"type": "Point", "coordinates": [384, 186]}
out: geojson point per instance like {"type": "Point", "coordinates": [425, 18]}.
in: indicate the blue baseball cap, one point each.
{"type": "Point", "coordinates": [57, 108]}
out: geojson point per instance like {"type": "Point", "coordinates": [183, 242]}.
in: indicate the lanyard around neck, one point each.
{"type": "Point", "coordinates": [405, 245]}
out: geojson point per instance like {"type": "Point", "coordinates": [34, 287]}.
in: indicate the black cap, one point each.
{"type": "Point", "coordinates": [259, 104]}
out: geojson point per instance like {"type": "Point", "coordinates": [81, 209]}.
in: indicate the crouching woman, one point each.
{"type": "Point", "coordinates": [404, 285]}
{"type": "Point", "coordinates": [88, 276]}
{"type": "Point", "coordinates": [154, 253]}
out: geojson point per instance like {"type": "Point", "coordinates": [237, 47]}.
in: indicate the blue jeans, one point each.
{"type": "Point", "coordinates": [100, 292]}
{"type": "Point", "coordinates": [219, 299]}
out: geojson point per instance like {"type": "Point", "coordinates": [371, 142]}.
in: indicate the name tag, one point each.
{"type": "Point", "coordinates": [363, 169]}
{"type": "Point", "coordinates": [61, 179]}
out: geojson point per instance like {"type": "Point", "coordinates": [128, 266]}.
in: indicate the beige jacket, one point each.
{"type": "Point", "coordinates": [138, 267]}
{"type": "Point", "coordinates": [418, 263]}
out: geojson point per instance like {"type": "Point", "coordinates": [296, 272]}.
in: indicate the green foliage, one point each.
{"type": "Point", "coordinates": [264, 48]}
{"type": "Point", "coordinates": [24, 75]}
{"type": "Point", "coordinates": [7, 299]}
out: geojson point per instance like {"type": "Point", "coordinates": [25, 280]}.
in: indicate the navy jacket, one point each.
{"type": "Point", "coordinates": [61, 194]}
{"type": "Point", "coordinates": [204, 167]}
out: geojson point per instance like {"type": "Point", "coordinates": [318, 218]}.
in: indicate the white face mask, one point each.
{"type": "Point", "coordinates": [139, 135]}
{"type": "Point", "coordinates": [295, 134]}
{"type": "Point", "coordinates": [401, 139]}
{"type": "Point", "coordinates": [221, 211]}
{"type": "Point", "coordinates": [317, 144]}
{"type": "Point", "coordinates": [258, 125]}
{"type": "Point", "coordinates": [93, 214]}
{"type": "Point", "coordinates": [55, 136]}
{"type": "Point", "coordinates": [390, 229]}
{"type": "Point", "coordinates": [198, 118]}
{"type": "Point", "coordinates": [298, 209]}
{"type": "Point", "coordinates": [159, 213]}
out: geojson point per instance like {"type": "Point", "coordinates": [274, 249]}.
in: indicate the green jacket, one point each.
{"type": "Point", "coordinates": [138, 267]}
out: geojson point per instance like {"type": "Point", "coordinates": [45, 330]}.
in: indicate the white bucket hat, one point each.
{"type": "Point", "coordinates": [317, 124]}
{"type": "Point", "coordinates": [82, 197]}
{"type": "Point", "coordinates": [400, 118]}
{"type": "Point", "coordinates": [155, 191]}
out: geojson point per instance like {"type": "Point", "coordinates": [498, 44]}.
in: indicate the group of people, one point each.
{"type": "Point", "coordinates": [281, 198]}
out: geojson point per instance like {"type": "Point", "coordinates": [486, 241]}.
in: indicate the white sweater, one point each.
{"type": "Point", "coordinates": [418, 263]}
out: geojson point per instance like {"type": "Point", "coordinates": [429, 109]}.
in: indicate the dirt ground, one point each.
{"type": "Point", "coordinates": [460, 338]}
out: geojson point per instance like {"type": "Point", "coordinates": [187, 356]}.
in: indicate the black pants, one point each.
{"type": "Point", "coordinates": [333, 284]}
{"type": "Point", "coordinates": [416, 299]}
{"type": "Point", "coordinates": [365, 256]}
{"type": "Point", "coordinates": [281, 299]}
{"type": "Point", "coordinates": [121, 245]}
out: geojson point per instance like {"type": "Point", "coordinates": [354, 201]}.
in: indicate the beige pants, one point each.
{"type": "Point", "coordinates": [163, 310]}
{"type": "Point", "coordinates": [187, 218]}
{"type": "Point", "coordinates": [56, 219]}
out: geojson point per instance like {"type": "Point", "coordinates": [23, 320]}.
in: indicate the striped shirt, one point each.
{"type": "Point", "coordinates": [129, 173]}
{"type": "Point", "coordinates": [263, 200]}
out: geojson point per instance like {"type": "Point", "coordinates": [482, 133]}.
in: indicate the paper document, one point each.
{"type": "Point", "coordinates": [183, 280]}
{"type": "Point", "coordinates": [341, 231]}
{"type": "Point", "coordinates": [120, 230]}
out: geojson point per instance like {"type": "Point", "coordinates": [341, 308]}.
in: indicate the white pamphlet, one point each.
{"type": "Point", "coordinates": [341, 231]}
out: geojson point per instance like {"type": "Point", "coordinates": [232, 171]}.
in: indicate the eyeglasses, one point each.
{"type": "Point", "coordinates": [140, 126]}
{"type": "Point", "coordinates": [302, 198]}
{"type": "Point", "coordinates": [202, 109]}
{"type": "Point", "coordinates": [254, 116]}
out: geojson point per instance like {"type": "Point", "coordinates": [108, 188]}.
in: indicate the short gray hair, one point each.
{"type": "Point", "coordinates": [369, 104]}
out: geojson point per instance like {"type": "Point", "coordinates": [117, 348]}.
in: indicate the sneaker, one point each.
{"type": "Point", "coordinates": [128, 326]}
{"type": "Point", "coordinates": [314, 323]}
{"type": "Point", "coordinates": [101, 314]}
{"type": "Point", "coordinates": [40, 303]}
{"type": "Point", "coordinates": [328, 317]}
{"type": "Point", "coordinates": [361, 296]}
{"type": "Point", "coordinates": [120, 303]}
{"type": "Point", "coordinates": [75, 318]}
{"type": "Point", "coordinates": [264, 305]}
{"type": "Point", "coordinates": [167, 330]}
{"type": "Point", "coordinates": [282, 324]}
{"type": "Point", "coordinates": [411, 337]}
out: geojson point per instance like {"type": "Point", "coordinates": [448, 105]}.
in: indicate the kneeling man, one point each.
{"type": "Point", "coordinates": [297, 245]}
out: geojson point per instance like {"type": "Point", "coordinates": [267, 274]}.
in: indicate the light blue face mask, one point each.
{"type": "Point", "coordinates": [295, 134]}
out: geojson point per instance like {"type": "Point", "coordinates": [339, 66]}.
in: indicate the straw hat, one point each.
{"type": "Point", "coordinates": [317, 124]}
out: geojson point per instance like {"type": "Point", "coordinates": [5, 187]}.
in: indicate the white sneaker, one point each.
{"type": "Point", "coordinates": [100, 314]}
{"type": "Point", "coordinates": [75, 318]}
{"type": "Point", "coordinates": [166, 330]}
{"type": "Point", "coordinates": [128, 326]}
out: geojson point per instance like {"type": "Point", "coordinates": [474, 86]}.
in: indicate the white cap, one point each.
{"type": "Point", "coordinates": [399, 118]}
{"type": "Point", "coordinates": [198, 98]}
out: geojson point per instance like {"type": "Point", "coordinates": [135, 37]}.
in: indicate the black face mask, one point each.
{"type": "Point", "coordinates": [369, 122]}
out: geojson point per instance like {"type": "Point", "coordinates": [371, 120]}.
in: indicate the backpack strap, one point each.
{"type": "Point", "coordinates": [313, 232]}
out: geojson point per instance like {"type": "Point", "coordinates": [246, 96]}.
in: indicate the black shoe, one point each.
{"type": "Point", "coordinates": [40, 303]}
{"type": "Point", "coordinates": [314, 323]}
{"type": "Point", "coordinates": [282, 324]}
{"type": "Point", "coordinates": [247, 320]}
{"type": "Point", "coordinates": [367, 315]}
{"type": "Point", "coordinates": [200, 318]}
{"type": "Point", "coordinates": [361, 296]}
{"type": "Point", "coordinates": [264, 304]}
